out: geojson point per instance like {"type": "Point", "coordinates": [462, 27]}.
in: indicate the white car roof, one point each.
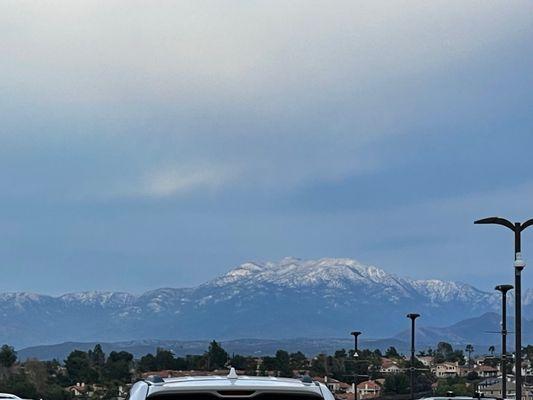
{"type": "Point", "coordinates": [216, 383]}
{"type": "Point", "coordinates": [8, 396]}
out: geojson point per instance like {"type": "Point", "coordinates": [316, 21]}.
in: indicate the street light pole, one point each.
{"type": "Point", "coordinates": [519, 265]}
{"type": "Point", "coordinates": [355, 334]}
{"type": "Point", "coordinates": [412, 369]}
{"type": "Point", "coordinates": [504, 289]}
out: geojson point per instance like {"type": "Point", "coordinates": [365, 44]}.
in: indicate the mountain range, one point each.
{"type": "Point", "coordinates": [284, 300]}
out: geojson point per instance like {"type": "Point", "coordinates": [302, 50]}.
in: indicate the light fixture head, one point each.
{"type": "Point", "coordinates": [519, 262]}
{"type": "Point", "coordinates": [503, 288]}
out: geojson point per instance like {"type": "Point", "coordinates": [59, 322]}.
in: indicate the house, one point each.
{"type": "Point", "coordinates": [479, 360]}
{"type": "Point", "coordinates": [389, 366]}
{"type": "Point", "coordinates": [123, 390]}
{"type": "Point", "coordinates": [427, 361]}
{"type": "Point", "coordinates": [465, 370]}
{"type": "Point", "coordinates": [446, 370]}
{"type": "Point", "coordinates": [525, 367]}
{"type": "Point", "coordinates": [334, 385]}
{"type": "Point", "coordinates": [493, 388]}
{"type": "Point", "coordinates": [486, 371]}
{"type": "Point", "coordinates": [368, 390]}
{"type": "Point", "coordinates": [79, 389]}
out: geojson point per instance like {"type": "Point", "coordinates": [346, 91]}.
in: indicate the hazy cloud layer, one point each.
{"type": "Point", "coordinates": [160, 143]}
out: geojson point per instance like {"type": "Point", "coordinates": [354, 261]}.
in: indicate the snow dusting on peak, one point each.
{"type": "Point", "coordinates": [99, 298]}
{"type": "Point", "coordinates": [22, 297]}
{"type": "Point", "coordinates": [346, 274]}
{"type": "Point", "coordinates": [444, 291]}
{"type": "Point", "coordinates": [294, 272]}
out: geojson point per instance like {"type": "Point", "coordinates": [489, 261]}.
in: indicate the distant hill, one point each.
{"type": "Point", "coordinates": [254, 347]}
{"type": "Point", "coordinates": [478, 331]}
{"type": "Point", "coordinates": [483, 331]}
{"type": "Point", "coordinates": [284, 300]}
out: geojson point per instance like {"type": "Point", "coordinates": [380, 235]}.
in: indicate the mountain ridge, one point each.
{"type": "Point", "coordinates": [324, 298]}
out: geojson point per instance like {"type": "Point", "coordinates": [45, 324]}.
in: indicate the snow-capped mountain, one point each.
{"type": "Point", "coordinates": [286, 299]}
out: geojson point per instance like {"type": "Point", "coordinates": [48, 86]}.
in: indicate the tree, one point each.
{"type": "Point", "coordinates": [392, 353]}
{"type": "Point", "coordinates": [97, 356]}
{"type": "Point", "coordinates": [472, 376]}
{"type": "Point", "coordinates": [469, 349]}
{"type": "Point", "coordinates": [37, 374]}
{"type": "Point", "coordinates": [243, 363]}
{"type": "Point", "coordinates": [319, 365]}
{"type": "Point", "coordinates": [455, 385]}
{"type": "Point", "coordinates": [164, 359]}
{"type": "Point", "coordinates": [117, 366]}
{"type": "Point", "coordinates": [283, 364]}
{"type": "Point", "coordinates": [79, 368]}
{"type": "Point", "coordinates": [340, 354]}
{"type": "Point", "coordinates": [56, 392]}
{"type": "Point", "coordinates": [19, 384]}
{"type": "Point", "coordinates": [147, 363]}
{"type": "Point", "coordinates": [195, 361]}
{"type": "Point", "coordinates": [492, 349]}
{"type": "Point", "coordinates": [396, 383]}
{"type": "Point", "coordinates": [269, 364]}
{"type": "Point", "coordinates": [445, 352]}
{"type": "Point", "coordinates": [423, 383]}
{"type": "Point", "coordinates": [216, 356]}
{"type": "Point", "coordinates": [8, 356]}
{"type": "Point", "coordinates": [299, 360]}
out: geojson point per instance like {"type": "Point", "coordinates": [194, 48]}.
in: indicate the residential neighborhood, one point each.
{"type": "Point", "coordinates": [370, 375]}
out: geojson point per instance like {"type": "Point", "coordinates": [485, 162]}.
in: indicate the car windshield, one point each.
{"type": "Point", "coordinates": [235, 395]}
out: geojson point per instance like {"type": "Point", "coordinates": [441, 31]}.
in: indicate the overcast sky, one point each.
{"type": "Point", "coordinates": [149, 144]}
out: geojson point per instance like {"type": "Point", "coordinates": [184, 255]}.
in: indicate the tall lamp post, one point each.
{"type": "Point", "coordinates": [519, 265]}
{"type": "Point", "coordinates": [504, 289]}
{"type": "Point", "coordinates": [355, 334]}
{"type": "Point", "coordinates": [413, 317]}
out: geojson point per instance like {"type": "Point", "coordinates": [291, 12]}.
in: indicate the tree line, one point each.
{"type": "Point", "coordinates": [48, 379]}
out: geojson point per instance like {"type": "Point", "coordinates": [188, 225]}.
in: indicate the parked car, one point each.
{"type": "Point", "coordinates": [230, 387]}
{"type": "Point", "coordinates": [4, 396]}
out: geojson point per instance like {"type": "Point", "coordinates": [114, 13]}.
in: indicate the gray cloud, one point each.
{"type": "Point", "coordinates": [277, 93]}
{"type": "Point", "coordinates": [251, 128]}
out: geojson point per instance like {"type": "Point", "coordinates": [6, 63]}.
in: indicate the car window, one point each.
{"type": "Point", "coordinates": [232, 395]}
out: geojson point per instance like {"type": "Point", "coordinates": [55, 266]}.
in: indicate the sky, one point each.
{"type": "Point", "coordinates": [159, 144]}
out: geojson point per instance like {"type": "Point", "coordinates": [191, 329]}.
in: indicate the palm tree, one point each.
{"type": "Point", "coordinates": [492, 349]}
{"type": "Point", "coordinates": [469, 349]}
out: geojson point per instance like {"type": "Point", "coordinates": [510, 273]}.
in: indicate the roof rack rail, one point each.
{"type": "Point", "coordinates": [154, 379]}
